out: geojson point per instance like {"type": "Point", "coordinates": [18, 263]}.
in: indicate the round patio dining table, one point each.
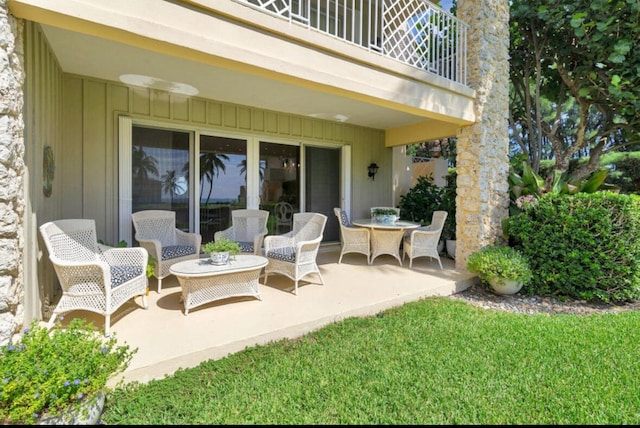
{"type": "Point", "coordinates": [386, 237]}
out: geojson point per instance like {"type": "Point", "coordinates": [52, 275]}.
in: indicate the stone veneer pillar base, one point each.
{"type": "Point", "coordinates": [483, 164]}
{"type": "Point", "coordinates": [11, 173]}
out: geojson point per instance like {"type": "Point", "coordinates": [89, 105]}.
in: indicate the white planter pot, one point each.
{"type": "Point", "coordinates": [385, 219]}
{"type": "Point", "coordinates": [440, 247]}
{"type": "Point", "coordinates": [87, 413]}
{"type": "Point", "coordinates": [451, 248]}
{"type": "Point", "coordinates": [220, 258]}
{"type": "Point", "coordinates": [505, 286]}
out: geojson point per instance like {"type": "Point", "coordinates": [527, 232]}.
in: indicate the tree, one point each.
{"type": "Point", "coordinates": [445, 148]}
{"type": "Point", "coordinates": [575, 80]}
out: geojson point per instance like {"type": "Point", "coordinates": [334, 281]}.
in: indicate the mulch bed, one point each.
{"type": "Point", "coordinates": [481, 295]}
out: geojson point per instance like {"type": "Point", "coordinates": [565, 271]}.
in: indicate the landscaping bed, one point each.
{"type": "Point", "coordinates": [481, 295]}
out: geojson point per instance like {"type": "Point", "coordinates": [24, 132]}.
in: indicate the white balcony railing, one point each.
{"type": "Point", "coordinates": [414, 32]}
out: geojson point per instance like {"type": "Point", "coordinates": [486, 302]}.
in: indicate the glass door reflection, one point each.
{"type": "Point", "coordinates": [280, 178]}
{"type": "Point", "coordinates": [160, 172]}
{"type": "Point", "coordinates": [223, 182]}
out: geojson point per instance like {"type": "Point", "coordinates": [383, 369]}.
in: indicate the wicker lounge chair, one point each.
{"type": "Point", "coordinates": [93, 277]}
{"type": "Point", "coordinates": [294, 254]}
{"type": "Point", "coordinates": [157, 233]}
{"type": "Point", "coordinates": [248, 228]}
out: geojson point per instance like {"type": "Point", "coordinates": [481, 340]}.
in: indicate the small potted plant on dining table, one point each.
{"type": "Point", "coordinates": [384, 215]}
{"type": "Point", "coordinates": [220, 250]}
{"type": "Point", "coordinates": [504, 268]}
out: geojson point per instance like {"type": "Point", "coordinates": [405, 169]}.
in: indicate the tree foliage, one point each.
{"type": "Point", "coordinates": [575, 79]}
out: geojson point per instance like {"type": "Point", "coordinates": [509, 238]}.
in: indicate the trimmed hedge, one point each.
{"type": "Point", "coordinates": [583, 246]}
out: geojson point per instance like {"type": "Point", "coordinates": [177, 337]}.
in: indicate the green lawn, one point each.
{"type": "Point", "coordinates": [436, 361]}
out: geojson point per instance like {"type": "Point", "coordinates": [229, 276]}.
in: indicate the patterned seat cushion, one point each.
{"type": "Point", "coordinates": [123, 273]}
{"type": "Point", "coordinates": [286, 254]}
{"type": "Point", "coordinates": [344, 219]}
{"type": "Point", "coordinates": [174, 251]}
{"type": "Point", "coordinates": [246, 247]}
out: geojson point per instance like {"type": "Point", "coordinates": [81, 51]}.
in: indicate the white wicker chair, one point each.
{"type": "Point", "coordinates": [248, 228]}
{"type": "Point", "coordinates": [93, 277]}
{"type": "Point", "coordinates": [294, 254]}
{"type": "Point", "coordinates": [423, 242]}
{"type": "Point", "coordinates": [156, 232]}
{"type": "Point", "coordinates": [353, 239]}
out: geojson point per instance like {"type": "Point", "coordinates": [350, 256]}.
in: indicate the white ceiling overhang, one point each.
{"type": "Point", "coordinates": [230, 61]}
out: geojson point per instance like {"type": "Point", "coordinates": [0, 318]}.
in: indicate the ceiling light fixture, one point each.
{"type": "Point", "coordinates": [156, 83]}
{"type": "Point", "coordinates": [327, 116]}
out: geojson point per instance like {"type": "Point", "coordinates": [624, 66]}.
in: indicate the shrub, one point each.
{"type": "Point", "coordinates": [46, 373]}
{"type": "Point", "coordinates": [583, 246]}
{"type": "Point", "coordinates": [425, 197]}
{"type": "Point", "coordinates": [419, 203]}
{"type": "Point", "coordinates": [499, 262]}
{"type": "Point", "coordinates": [449, 205]}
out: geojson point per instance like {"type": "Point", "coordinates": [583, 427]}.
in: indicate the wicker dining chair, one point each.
{"type": "Point", "coordinates": [293, 254]}
{"type": "Point", "coordinates": [352, 239]}
{"type": "Point", "coordinates": [93, 277]}
{"type": "Point", "coordinates": [423, 241]}
{"type": "Point", "coordinates": [248, 228]}
{"type": "Point", "coordinates": [157, 233]}
{"type": "Point", "coordinates": [283, 212]}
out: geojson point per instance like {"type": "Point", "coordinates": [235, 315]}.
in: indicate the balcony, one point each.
{"type": "Point", "coordinates": [413, 32]}
{"type": "Point", "coordinates": [403, 71]}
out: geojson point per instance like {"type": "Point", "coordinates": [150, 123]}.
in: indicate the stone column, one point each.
{"type": "Point", "coordinates": [482, 162]}
{"type": "Point", "coordinates": [11, 173]}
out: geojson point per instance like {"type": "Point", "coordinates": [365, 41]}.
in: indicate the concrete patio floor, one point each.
{"type": "Point", "coordinates": [167, 340]}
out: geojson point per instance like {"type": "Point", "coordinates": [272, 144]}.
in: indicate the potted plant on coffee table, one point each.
{"type": "Point", "coordinates": [220, 250]}
{"type": "Point", "coordinates": [504, 268]}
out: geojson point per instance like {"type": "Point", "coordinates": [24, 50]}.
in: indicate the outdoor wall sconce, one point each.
{"type": "Point", "coordinates": [373, 169]}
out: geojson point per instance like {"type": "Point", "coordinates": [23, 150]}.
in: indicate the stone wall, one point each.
{"type": "Point", "coordinates": [483, 148]}
{"type": "Point", "coordinates": [11, 173]}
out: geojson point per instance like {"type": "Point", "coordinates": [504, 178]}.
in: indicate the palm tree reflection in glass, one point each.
{"type": "Point", "coordinates": [243, 169]}
{"type": "Point", "coordinates": [210, 166]}
{"type": "Point", "coordinates": [142, 164]}
{"type": "Point", "coordinates": [170, 183]}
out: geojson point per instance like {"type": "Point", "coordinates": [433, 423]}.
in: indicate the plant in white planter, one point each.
{"type": "Point", "coordinates": [58, 377]}
{"type": "Point", "coordinates": [504, 268]}
{"type": "Point", "coordinates": [220, 250]}
{"type": "Point", "coordinates": [384, 215]}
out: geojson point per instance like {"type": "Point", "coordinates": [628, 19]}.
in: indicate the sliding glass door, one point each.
{"type": "Point", "coordinates": [203, 177]}
{"type": "Point", "coordinates": [160, 172]}
{"type": "Point", "coordinates": [279, 182]}
{"type": "Point", "coordinates": [322, 186]}
{"type": "Point", "coordinates": [223, 182]}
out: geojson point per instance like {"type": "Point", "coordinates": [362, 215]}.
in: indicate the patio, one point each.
{"type": "Point", "coordinates": [167, 339]}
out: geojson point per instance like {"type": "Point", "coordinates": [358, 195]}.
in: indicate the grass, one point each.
{"type": "Point", "coordinates": [436, 361]}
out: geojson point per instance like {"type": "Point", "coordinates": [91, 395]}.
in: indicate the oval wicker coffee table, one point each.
{"type": "Point", "coordinates": [203, 282]}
